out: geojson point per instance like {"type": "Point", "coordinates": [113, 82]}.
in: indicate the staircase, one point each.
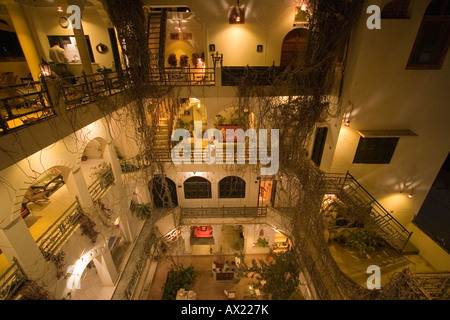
{"type": "Point", "coordinates": [163, 122]}
{"type": "Point", "coordinates": [350, 192]}
{"type": "Point", "coordinates": [157, 37]}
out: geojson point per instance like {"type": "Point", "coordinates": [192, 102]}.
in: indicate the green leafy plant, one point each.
{"type": "Point", "coordinates": [178, 279]}
{"type": "Point", "coordinates": [127, 167]}
{"type": "Point", "coordinates": [262, 242]}
{"type": "Point", "coordinates": [172, 60]}
{"type": "Point", "coordinates": [142, 211]}
{"type": "Point", "coordinates": [184, 60]}
{"type": "Point", "coordinates": [238, 245]}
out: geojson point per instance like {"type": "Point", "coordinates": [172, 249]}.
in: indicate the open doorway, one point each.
{"type": "Point", "coordinates": [266, 196]}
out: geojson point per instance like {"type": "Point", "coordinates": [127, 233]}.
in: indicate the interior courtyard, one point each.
{"type": "Point", "coordinates": [228, 150]}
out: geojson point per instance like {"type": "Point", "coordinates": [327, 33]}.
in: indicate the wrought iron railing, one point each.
{"type": "Point", "coordinates": [104, 179]}
{"type": "Point", "coordinates": [53, 238]}
{"type": "Point", "coordinates": [223, 212]}
{"type": "Point", "coordinates": [262, 76]}
{"type": "Point", "coordinates": [346, 186]}
{"type": "Point", "coordinates": [24, 104]}
{"type": "Point", "coordinates": [11, 280]}
{"type": "Point", "coordinates": [84, 89]}
{"type": "Point", "coordinates": [183, 76]}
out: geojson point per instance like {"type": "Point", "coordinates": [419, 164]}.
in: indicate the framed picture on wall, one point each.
{"type": "Point", "coordinates": [174, 36]}
{"type": "Point", "coordinates": [187, 36]}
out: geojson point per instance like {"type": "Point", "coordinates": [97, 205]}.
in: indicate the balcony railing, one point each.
{"type": "Point", "coordinates": [86, 89]}
{"type": "Point", "coordinates": [104, 179]}
{"type": "Point", "coordinates": [262, 76]}
{"type": "Point", "coordinates": [183, 76]}
{"type": "Point", "coordinates": [349, 189]}
{"type": "Point", "coordinates": [24, 104]}
{"type": "Point", "coordinates": [54, 236]}
{"type": "Point", "coordinates": [224, 212]}
{"type": "Point", "coordinates": [11, 281]}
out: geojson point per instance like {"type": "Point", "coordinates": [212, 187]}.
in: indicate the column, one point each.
{"type": "Point", "coordinates": [106, 269]}
{"type": "Point", "coordinates": [24, 34]}
{"type": "Point", "coordinates": [17, 241]}
{"type": "Point", "coordinates": [110, 156]}
{"type": "Point", "coordinates": [80, 38]}
{"type": "Point", "coordinates": [217, 234]}
{"type": "Point", "coordinates": [249, 238]}
{"type": "Point", "coordinates": [186, 235]}
{"type": "Point", "coordinates": [76, 184]}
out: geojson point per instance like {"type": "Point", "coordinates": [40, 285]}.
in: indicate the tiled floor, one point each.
{"type": "Point", "coordinates": [206, 287]}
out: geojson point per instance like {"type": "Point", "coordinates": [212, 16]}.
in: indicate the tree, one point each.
{"type": "Point", "coordinates": [280, 276]}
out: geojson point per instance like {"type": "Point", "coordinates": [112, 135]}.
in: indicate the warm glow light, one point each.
{"type": "Point", "coordinates": [198, 105]}
{"type": "Point", "coordinates": [347, 123]}
{"type": "Point", "coordinates": [304, 7]}
{"type": "Point", "coordinates": [116, 222]}
{"type": "Point", "coordinates": [59, 8]}
{"type": "Point", "coordinates": [238, 19]}
{"type": "Point", "coordinates": [410, 196]}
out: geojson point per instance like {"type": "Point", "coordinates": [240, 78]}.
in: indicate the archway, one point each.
{"type": "Point", "coordinates": [160, 197]}
{"type": "Point", "coordinates": [294, 46]}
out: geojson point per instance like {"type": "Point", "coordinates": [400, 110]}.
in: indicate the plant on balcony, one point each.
{"type": "Point", "coordinates": [32, 291]}
{"type": "Point", "coordinates": [262, 242]}
{"type": "Point", "coordinates": [127, 166]}
{"type": "Point", "coordinates": [195, 57]}
{"type": "Point", "coordinates": [172, 60]}
{"type": "Point", "coordinates": [184, 61]}
{"type": "Point", "coordinates": [88, 228]}
{"type": "Point", "coordinates": [59, 261]}
{"type": "Point", "coordinates": [103, 173]}
{"type": "Point", "coordinates": [142, 211]}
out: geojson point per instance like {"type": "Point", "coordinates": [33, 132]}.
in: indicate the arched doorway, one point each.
{"type": "Point", "coordinates": [294, 46]}
{"type": "Point", "coordinates": [158, 189]}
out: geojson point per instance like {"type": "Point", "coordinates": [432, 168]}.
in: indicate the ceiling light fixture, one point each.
{"type": "Point", "coordinates": [236, 14]}
{"type": "Point", "coordinates": [59, 8]}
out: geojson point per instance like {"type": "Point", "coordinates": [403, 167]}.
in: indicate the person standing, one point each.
{"type": "Point", "coordinates": [59, 57]}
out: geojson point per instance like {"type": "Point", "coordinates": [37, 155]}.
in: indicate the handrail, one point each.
{"type": "Point", "coordinates": [390, 226]}
{"type": "Point", "coordinates": [98, 187]}
{"type": "Point", "coordinates": [379, 206]}
{"type": "Point", "coordinates": [86, 89]}
{"type": "Point", "coordinates": [183, 76]}
{"type": "Point", "coordinates": [11, 280]}
{"type": "Point", "coordinates": [55, 235]}
{"type": "Point", "coordinates": [223, 212]}
{"type": "Point", "coordinates": [23, 104]}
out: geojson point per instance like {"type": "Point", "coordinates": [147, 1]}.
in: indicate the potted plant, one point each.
{"type": "Point", "coordinates": [172, 60]}
{"type": "Point", "coordinates": [184, 61]}
{"type": "Point", "coordinates": [195, 57]}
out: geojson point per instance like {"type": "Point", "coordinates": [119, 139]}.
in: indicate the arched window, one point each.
{"type": "Point", "coordinates": [197, 188]}
{"type": "Point", "coordinates": [433, 38]}
{"type": "Point", "coordinates": [232, 187]}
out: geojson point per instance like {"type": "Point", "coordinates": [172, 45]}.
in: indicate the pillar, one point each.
{"type": "Point", "coordinates": [24, 34]}
{"type": "Point", "coordinates": [110, 156]}
{"type": "Point", "coordinates": [217, 234]}
{"type": "Point", "coordinates": [17, 242]}
{"type": "Point", "coordinates": [186, 235]}
{"type": "Point", "coordinates": [80, 38]}
{"type": "Point", "coordinates": [76, 184]}
{"type": "Point", "coordinates": [105, 268]}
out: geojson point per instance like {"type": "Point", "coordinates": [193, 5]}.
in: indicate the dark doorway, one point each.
{"type": "Point", "coordinates": [294, 46]}
{"type": "Point", "coordinates": [319, 145]}
{"type": "Point", "coordinates": [160, 197]}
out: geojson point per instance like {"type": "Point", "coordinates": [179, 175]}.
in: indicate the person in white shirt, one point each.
{"type": "Point", "coordinates": [59, 57]}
